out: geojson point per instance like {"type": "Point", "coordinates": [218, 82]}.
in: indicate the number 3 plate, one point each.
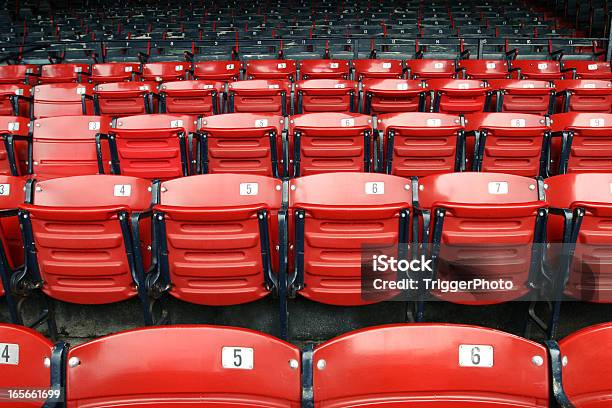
{"type": "Point", "coordinates": [240, 358]}
{"type": "Point", "coordinates": [475, 355]}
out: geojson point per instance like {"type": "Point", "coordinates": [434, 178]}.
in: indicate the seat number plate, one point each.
{"type": "Point", "coordinates": [9, 353]}
{"type": "Point", "coordinates": [123, 190]}
{"type": "Point", "coordinates": [475, 355]}
{"type": "Point", "coordinates": [5, 189]}
{"type": "Point", "coordinates": [249, 189]}
{"type": "Point", "coordinates": [240, 358]}
{"type": "Point", "coordinates": [597, 122]}
{"type": "Point", "coordinates": [498, 187]}
{"type": "Point", "coordinates": [375, 187]}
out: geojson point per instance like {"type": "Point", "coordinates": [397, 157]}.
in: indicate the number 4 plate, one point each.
{"type": "Point", "coordinates": [9, 353]}
{"type": "Point", "coordinates": [475, 355]}
{"type": "Point", "coordinates": [240, 358]}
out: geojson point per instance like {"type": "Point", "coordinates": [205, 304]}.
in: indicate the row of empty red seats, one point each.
{"type": "Point", "coordinates": [227, 239]}
{"type": "Point", "coordinates": [306, 69]}
{"type": "Point", "coordinates": [453, 365]}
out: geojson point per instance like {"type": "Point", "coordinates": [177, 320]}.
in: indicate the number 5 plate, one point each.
{"type": "Point", "coordinates": [475, 355]}
{"type": "Point", "coordinates": [240, 358]}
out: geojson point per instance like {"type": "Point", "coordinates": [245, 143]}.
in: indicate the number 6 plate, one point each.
{"type": "Point", "coordinates": [475, 355]}
{"type": "Point", "coordinates": [240, 358]}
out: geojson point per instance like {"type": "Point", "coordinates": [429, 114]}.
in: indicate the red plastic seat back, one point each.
{"type": "Point", "coordinates": [586, 95]}
{"type": "Point", "coordinates": [19, 74]}
{"type": "Point", "coordinates": [326, 95]}
{"type": "Point", "coordinates": [427, 365]}
{"type": "Point", "coordinates": [214, 242]}
{"type": "Point", "coordinates": [154, 146]}
{"type": "Point", "coordinates": [324, 69]}
{"type": "Point", "coordinates": [19, 126]}
{"type": "Point", "coordinates": [126, 98]}
{"type": "Point", "coordinates": [267, 96]}
{"type": "Point", "coordinates": [390, 95]}
{"type": "Point", "coordinates": [344, 214]}
{"type": "Point", "coordinates": [11, 196]}
{"type": "Point", "coordinates": [60, 73]}
{"type": "Point", "coordinates": [377, 68]}
{"type": "Point", "coordinates": [217, 70]}
{"type": "Point", "coordinates": [488, 216]}
{"type": "Point", "coordinates": [207, 366]}
{"type": "Point", "coordinates": [80, 246]}
{"type": "Point", "coordinates": [419, 144]}
{"type": "Point", "coordinates": [590, 69]}
{"type": "Point", "coordinates": [524, 96]}
{"type": "Point", "coordinates": [243, 143]}
{"type": "Point", "coordinates": [23, 353]}
{"type": "Point", "coordinates": [165, 71]}
{"type": "Point", "coordinates": [330, 142]}
{"type": "Point", "coordinates": [544, 70]}
{"type": "Point", "coordinates": [114, 72]}
{"type": "Point", "coordinates": [65, 99]}
{"type": "Point", "coordinates": [430, 69]}
{"type": "Point", "coordinates": [459, 96]}
{"type": "Point", "coordinates": [67, 146]}
{"type": "Point", "coordinates": [484, 69]}
{"type": "Point", "coordinates": [271, 69]}
{"type": "Point", "coordinates": [512, 143]}
{"type": "Point", "coordinates": [11, 92]}
{"type": "Point", "coordinates": [202, 97]}
{"type": "Point", "coordinates": [587, 370]}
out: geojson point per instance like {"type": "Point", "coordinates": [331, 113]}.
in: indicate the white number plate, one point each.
{"type": "Point", "coordinates": [281, 65]}
{"type": "Point", "coordinates": [5, 189]}
{"type": "Point", "coordinates": [376, 187]}
{"type": "Point", "coordinates": [517, 123]}
{"type": "Point", "coordinates": [475, 355]}
{"type": "Point", "coordinates": [402, 87]}
{"type": "Point", "coordinates": [542, 66]}
{"type": "Point", "coordinates": [178, 68]}
{"type": "Point", "coordinates": [592, 67]}
{"type": "Point", "coordinates": [123, 190]}
{"type": "Point", "coordinates": [13, 126]}
{"type": "Point", "coordinates": [597, 122]}
{"type": "Point", "coordinates": [334, 65]}
{"type": "Point", "coordinates": [386, 65]}
{"type": "Point", "coordinates": [237, 357]}
{"type": "Point", "coordinates": [229, 66]}
{"type": "Point", "coordinates": [176, 123]}
{"type": "Point", "coordinates": [249, 189]}
{"type": "Point", "coordinates": [9, 353]}
{"type": "Point", "coordinates": [490, 65]}
{"type": "Point", "coordinates": [438, 65]}
{"type": "Point", "coordinates": [94, 125]}
{"type": "Point", "coordinates": [498, 187]}
{"type": "Point", "coordinates": [434, 122]}
{"type": "Point", "coordinates": [259, 123]}
{"type": "Point", "coordinates": [347, 122]}
{"type": "Point", "coordinates": [128, 69]}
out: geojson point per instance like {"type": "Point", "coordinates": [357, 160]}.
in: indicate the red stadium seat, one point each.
{"type": "Point", "coordinates": [430, 69]}
{"type": "Point", "coordinates": [19, 74]}
{"type": "Point", "coordinates": [483, 69]}
{"type": "Point", "coordinates": [199, 98]}
{"type": "Point", "coordinates": [513, 143]}
{"type": "Point", "coordinates": [335, 216]}
{"type": "Point", "coordinates": [15, 100]}
{"type": "Point", "coordinates": [586, 141]}
{"type": "Point", "coordinates": [583, 364]}
{"type": "Point", "coordinates": [79, 243]}
{"type": "Point", "coordinates": [330, 142]}
{"type": "Point", "coordinates": [583, 203]}
{"type": "Point", "coordinates": [324, 69]}
{"type": "Point", "coordinates": [58, 73]}
{"type": "Point", "coordinates": [208, 366]}
{"type": "Point", "coordinates": [154, 146]}
{"type": "Point", "coordinates": [484, 226]}
{"type": "Point", "coordinates": [326, 95]}
{"type": "Point", "coordinates": [460, 96]}
{"type": "Point", "coordinates": [63, 100]}
{"type": "Point", "coordinates": [419, 144]}
{"type": "Point", "coordinates": [165, 71]}
{"type": "Point", "coordinates": [25, 357]}
{"type": "Point", "coordinates": [126, 98]}
{"type": "Point", "coordinates": [377, 68]}
{"type": "Point", "coordinates": [114, 72]}
{"type": "Point", "coordinates": [585, 95]}
{"type": "Point", "coordinates": [389, 95]}
{"type": "Point", "coordinates": [217, 70]}
{"type": "Point", "coordinates": [542, 70]}
{"type": "Point", "coordinates": [430, 365]}
{"type": "Point", "coordinates": [15, 130]}
{"type": "Point", "coordinates": [271, 96]}
{"type": "Point", "coordinates": [243, 143]}
{"type": "Point", "coordinates": [271, 69]}
{"type": "Point", "coordinates": [232, 265]}
{"type": "Point", "coordinates": [524, 96]}
{"type": "Point", "coordinates": [589, 69]}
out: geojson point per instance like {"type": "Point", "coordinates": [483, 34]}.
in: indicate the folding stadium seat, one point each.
{"type": "Point", "coordinates": [513, 143]}
{"type": "Point", "coordinates": [232, 368]}
{"type": "Point", "coordinates": [157, 146]}
{"type": "Point", "coordinates": [165, 71]}
{"type": "Point", "coordinates": [430, 69]}
{"type": "Point", "coordinates": [271, 69]}
{"type": "Point", "coordinates": [63, 100]}
{"type": "Point", "coordinates": [483, 226]}
{"type": "Point", "coordinates": [126, 98]}
{"type": "Point", "coordinates": [419, 144]}
{"type": "Point", "coordinates": [15, 131]}
{"type": "Point", "coordinates": [581, 366]}
{"type": "Point", "coordinates": [19, 74]}
{"type": "Point", "coordinates": [267, 96]}
{"type": "Point", "coordinates": [326, 95]}
{"type": "Point", "coordinates": [330, 142]}
{"type": "Point", "coordinates": [114, 72]}
{"type": "Point", "coordinates": [199, 98]}
{"type": "Point", "coordinates": [460, 96]}
{"type": "Point", "coordinates": [324, 69]}
{"type": "Point", "coordinates": [59, 73]}
{"type": "Point", "coordinates": [78, 241]}
{"type": "Point", "coordinates": [425, 365]}
{"type": "Point", "coordinates": [243, 143]}
{"type": "Point", "coordinates": [524, 96]}
{"type": "Point", "coordinates": [483, 69]}
{"type": "Point", "coordinates": [588, 69]}
{"type": "Point", "coordinates": [542, 70]}
{"type": "Point", "coordinates": [585, 95]}
{"type": "Point", "coordinates": [335, 216]}
{"type": "Point", "coordinates": [375, 68]}
{"type": "Point", "coordinates": [586, 141]}
{"type": "Point", "coordinates": [217, 70]}
{"type": "Point", "coordinates": [15, 100]}
{"type": "Point", "coordinates": [388, 95]}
